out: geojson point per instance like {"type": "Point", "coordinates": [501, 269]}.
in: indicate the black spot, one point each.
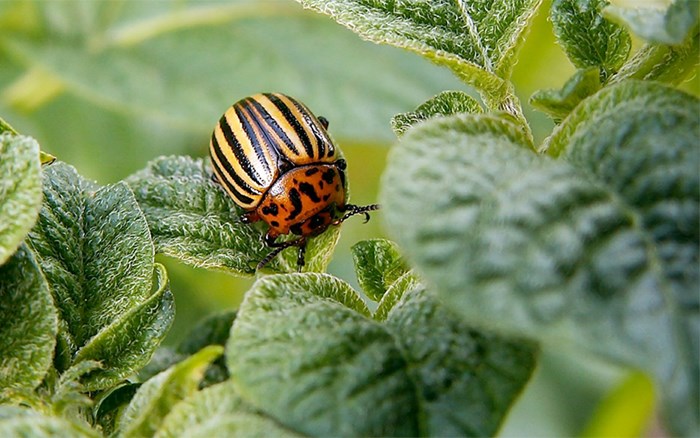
{"type": "Point", "coordinates": [315, 222]}
{"type": "Point", "coordinates": [337, 187]}
{"type": "Point", "coordinates": [275, 223]}
{"type": "Point", "coordinates": [296, 204]}
{"type": "Point", "coordinates": [325, 197]}
{"type": "Point", "coordinates": [309, 191]}
{"type": "Point", "coordinates": [270, 210]}
{"type": "Point", "coordinates": [312, 171]}
{"type": "Point", "coordinates": [329, 176]}
{"type": "Point", "coordinates": [341, 164]}
{"type": "Point", "coordinates": [296, 229]}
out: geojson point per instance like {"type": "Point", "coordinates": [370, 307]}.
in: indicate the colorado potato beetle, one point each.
{"type": "Point", "coordinates": [277, 162]}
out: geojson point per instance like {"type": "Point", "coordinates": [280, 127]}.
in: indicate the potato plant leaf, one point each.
{"type": "Point", "coordinates": [305, 351]}
{"type": "Point", "coordinates": [477, 40]}
{"type": "Point", "coordinates": [559, 103]}
{"type": "Point", "coordinates": [20, 190]}
{"type": "Point", "coordinates": [378, 265]}
{"type": "Point", "coordinates": [444, 104]}
{"type": "Point", "coordinates": [219, 410]}
{"type": "Point", "coordinates": [28, 329]}
{"type": "Point", "coordinates": [20, 422]}
{"type": "Point", "coordinates": [597, 250]}
{"type": "Point", "coordinates": [589, 39]}
{"type": "Point", "coordinates": [95, 249]}
{"type": "Point", "coordinates": [670, 64]}
{"type": "Point", "coordinates": [155, 398]}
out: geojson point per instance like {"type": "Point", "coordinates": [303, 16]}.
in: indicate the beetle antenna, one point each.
{"type": "Point", "coordinates": [352, 210]}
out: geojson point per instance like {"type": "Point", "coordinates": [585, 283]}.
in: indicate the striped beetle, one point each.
{"type": "Point", "coordinates": [276, 160]}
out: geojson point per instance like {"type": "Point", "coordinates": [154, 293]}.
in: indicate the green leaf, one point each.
{"type": "Point", "coordinates": [599, 251]}
{"type": "Point", "coordinates": [95, 249]}
{"type": "Point", "coordinates": [304, 350]}
{"type": "Point", "coordinates": [444, 104]}
{"type": "Point", "coordinates": [406, 283]}
{"type": "Point", "coordinates": [110, 405]}
{"type": "Point", "coordinates": [218, 411]}
{"type": "Point", "coordinates": [559, 103]}
{"type": "Point", "coordinates": [588, 39]}
{"type": "Point", "coordinates": [193, 219]}
{"type": "Point", "coordinates": [671, 26]}
{"type": "Point", "coordinates": [29, 324]}
{"type": "Point", "coordinates": [378, 265]}
{"type": "Point", "coordinates": [467, 379]}
{"type": "Point", "coordinates": [20, 190]}
{"type": "Point", "coordinates": [132, 60]}
{"type": "Point", "coordinates": [478, 41]}
{"type": "Point", "coordinates": [663, 63]}
{"type": "Point", "coordinates": [212, 330]}
{"type": "Point", "coordinates": [126, 344]}
{"type": "Point", "coordinates": [20, 422]}
{"type": "Point", "coordinates": [155, 398]}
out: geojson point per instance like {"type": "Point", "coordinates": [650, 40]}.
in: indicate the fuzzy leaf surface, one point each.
{"type": "Point", "coordinates": [305, 351]}
{"type": "Point", "coordinates": [599, 251]}
{"type": "Point", "coordinates": [20, 422]}
{"type": "Point", "coordinates": [661, 62]}
{"type": "Point", "coordinates": [444, 104]}
{"type": "Point", "coordinates": [671, 26]}
{"type": "Point", "coordinates": [155, 398]}
{"type": "Point", "coordinates": [95, 249]}
{"type": "Point", "coordinates": [559, 103]}
{"type": "Point", "coordinates": [589, 39]}
{"type": "Point", "coordinates": [477, 40]}
{"type": "Point", "coordinates": [378, 265]}
{"type": "Point", "coordinates": [20, 190]}
{"type": "Point", "coordinates": [128, 342]}
{"type": "Point", "coordinates": [218, 410]}
{"type": "Point", "coordinates": [29, 324]}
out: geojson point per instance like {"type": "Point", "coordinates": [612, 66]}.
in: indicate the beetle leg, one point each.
{"type": "Point", "coordinates": [352, 210]}
{"type": "Point", "coordinates": [280, 246]}
{"type": "Point", "coordinates": [302, 253]}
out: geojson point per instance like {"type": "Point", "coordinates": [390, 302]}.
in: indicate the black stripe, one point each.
{"type": "Point", "coordinates": [237, 150]}
{"type": "Point", "coordinates": [309, 119]}
{"type": "Point", "coordinates": [240, 197]}
{"type": "Point", "coordinates": [293, 122]}
{"type": "Point", "coordinates": [228, 170]}
{"type": "Point", "coordinates": [272, 123]}
{"type": "Point", "coordinates": [246, 118]}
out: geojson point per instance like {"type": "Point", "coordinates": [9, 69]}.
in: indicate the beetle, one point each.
{"type": "Point", "coordinates": [277, 162]}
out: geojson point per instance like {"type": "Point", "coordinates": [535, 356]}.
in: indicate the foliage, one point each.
{"type": "Point", "coordinates": [587, 242]}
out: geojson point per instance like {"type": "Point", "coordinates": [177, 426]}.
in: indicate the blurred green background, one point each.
{"type": "Point", "coordinates": [109, 85]}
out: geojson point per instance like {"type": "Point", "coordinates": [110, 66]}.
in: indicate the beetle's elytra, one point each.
{"type": "Point", "coordinates": [277, 162]}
